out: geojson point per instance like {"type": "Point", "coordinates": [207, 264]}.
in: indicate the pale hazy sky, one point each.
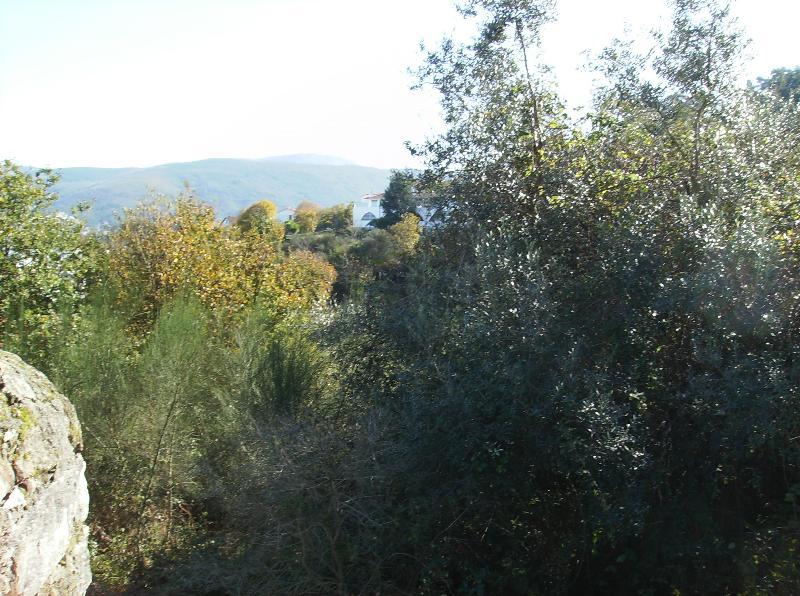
{"type": "Point", "coordinates": [142, 82]}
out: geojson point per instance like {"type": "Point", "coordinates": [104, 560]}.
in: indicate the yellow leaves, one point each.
{"type": "Point", "coordinates": [307, 216]}
{"type": "Point", "coordinates": [298, 281]}
{"type": "Point", "coordinates": [260, 218]}
{"type": "Point", "coordinates": [406, 233]}
{"type": "Point", "coordinates": [783, 214]}
{"type": "Point", "coordinates": [158, 251]}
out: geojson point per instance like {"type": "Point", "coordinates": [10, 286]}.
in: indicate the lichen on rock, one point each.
{"type": "Point", "coordinates": [44, 500]}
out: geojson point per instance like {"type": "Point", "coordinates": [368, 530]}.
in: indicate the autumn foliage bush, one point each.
{"type": "Point", "coordinates": [161, 249]}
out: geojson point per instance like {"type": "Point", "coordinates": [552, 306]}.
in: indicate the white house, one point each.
{"type": "Point", "coordinates": [366, 209]}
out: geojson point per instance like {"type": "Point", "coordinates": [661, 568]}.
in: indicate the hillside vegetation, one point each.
{"type": "Point", "coordinates": [583, 379]}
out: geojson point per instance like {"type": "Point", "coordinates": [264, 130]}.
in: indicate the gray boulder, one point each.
{"type": "Point", "coordinates": [43, 496]}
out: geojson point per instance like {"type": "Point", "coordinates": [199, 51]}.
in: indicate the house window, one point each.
{"type": "Point", "coordinates": [368, 217]}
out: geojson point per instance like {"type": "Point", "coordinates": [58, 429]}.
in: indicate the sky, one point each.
{"type": "Point", "coordinates": [113, 83]}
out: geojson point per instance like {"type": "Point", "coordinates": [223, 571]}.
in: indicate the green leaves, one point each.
{"type": "Point", "coordinates": [399, 197]}
{"type": "Point", "coordinates": [46, 262]}
{"type": "Point", "coordinates": [598, 354]}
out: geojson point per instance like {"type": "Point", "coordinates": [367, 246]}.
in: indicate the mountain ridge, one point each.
{"type": "Point", "coordinates": [228, 184]}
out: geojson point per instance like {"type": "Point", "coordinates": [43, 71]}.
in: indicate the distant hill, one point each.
{"type": "Point", "coordinates": [310, 158]}
{"type": "Point", "coordinates": [229, 185]}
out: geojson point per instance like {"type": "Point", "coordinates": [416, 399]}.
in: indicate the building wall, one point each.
{"type": "Point", "coordinates": [366, 209]}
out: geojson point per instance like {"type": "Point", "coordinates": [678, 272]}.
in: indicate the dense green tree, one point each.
{"type": "Point", "coordinates": [338, 217]}
{"type": "Point", "coordinates": [592, 360]}
{"type": "Point", "coordinates": [784, 82]}
{"type": "Point", "coordinates": [46, 262]}
{"type": "Point", "coordinates": [400, 197]}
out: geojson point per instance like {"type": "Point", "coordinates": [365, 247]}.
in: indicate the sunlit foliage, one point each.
{"type": "Point", "coordinates": [337, 217]}
{"type": "Point", "coordinates": [259, 218]}
{"type": "Point", "coordinates": [46, 262]}
{"type": "Point", "coordinates": [161, 249]}
{"type": "Point", "coordinates": [582, 380]}
{"type": "Point", "coordinates": [307, 216]}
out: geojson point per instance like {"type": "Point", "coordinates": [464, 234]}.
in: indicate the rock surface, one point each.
{"type": "Point", "coordinates": [44, 500]}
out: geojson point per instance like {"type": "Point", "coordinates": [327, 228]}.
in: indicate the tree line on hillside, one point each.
{"type": "Point", "coordinates": [584, 381]}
